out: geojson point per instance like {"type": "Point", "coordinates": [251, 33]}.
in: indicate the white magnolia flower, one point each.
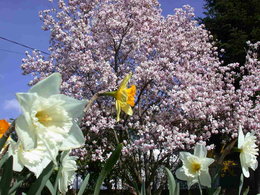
{"type": "Point", "coordinates": [195, 167]}
{"type": "Point", "coordinates": [47, 124]}
{"type": "Point", "coordinates": [248, 151]}
{"type": "Point", "coordinates": [68, 168]}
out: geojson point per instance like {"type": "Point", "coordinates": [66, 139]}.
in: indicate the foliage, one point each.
{"type": "Point", "coordinates": [233, 23]}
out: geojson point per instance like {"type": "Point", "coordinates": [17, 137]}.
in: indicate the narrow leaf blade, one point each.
{"type": "Point", "coordinates": [39, 184]}
{"type": "Point", "coordinates": [108, 167]}
{"type": "Point", "coordinates": [50, 187]}
{"type": "Point", "coordinates": [171, 181]}
{"type": "Point", "coordinates": [7, 176]}
{"type": "Point", "coordinates": [84, 185]}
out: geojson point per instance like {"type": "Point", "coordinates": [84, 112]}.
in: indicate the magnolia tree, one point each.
{"type": "Point", "coordinates": [184, 95]}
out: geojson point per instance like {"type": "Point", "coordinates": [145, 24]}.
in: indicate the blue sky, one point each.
{"type": "Point", "coordinates": [19, 21]}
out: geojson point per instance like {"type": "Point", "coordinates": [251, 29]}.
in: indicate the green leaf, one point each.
{"type": "Point", "coordinates": [50, 187]}
{"type": "Point", "coordinates": [217, 191]}
{"type": "Point", "coordinates": [18, 182]}
{"type": "Point", "coordinates": [171, 182]}
{"type": "Point", "coordinates": [3, 160]}
{"type": "Point", "coordinates": [241, 183]}
{"type": "Point", "coordinates": [39, 184]}
{"type": "Point", "coordinates": [84, 185]}
{"type": "Point", "coordinates": [6, 176]}
{"type": "Point", "coordinates": [246, 191]}
{"type": "Point", "coordinates": [108, 167]}
{"type": "Point", "coordinates": [2, 142]}
{"type": "Point", "coordinates": [143, 189]}
{"type": "Point", "coordinates": [177, 190]}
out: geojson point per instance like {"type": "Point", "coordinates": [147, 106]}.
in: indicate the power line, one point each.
{"type": "Point", "coordinates": [23, 45]}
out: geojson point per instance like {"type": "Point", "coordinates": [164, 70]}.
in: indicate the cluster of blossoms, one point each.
{"type": "Point", "coordinates": [46, 127]}
{"type": "Point", "coordinates": [184, 95]}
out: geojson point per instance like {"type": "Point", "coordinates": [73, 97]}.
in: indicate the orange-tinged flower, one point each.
{"type": "Point", "coordinates": [125, 97]}
{"type": "Point", "coordinates": [4, 126]}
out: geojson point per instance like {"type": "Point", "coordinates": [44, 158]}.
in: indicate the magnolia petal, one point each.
{"type": "Point", "coordinates": [12, 151]}
{"type": "Point", "coordinates": [200, 151]}
{"type": "Point", "coordinates": [74, 140]}
{"type": "Point", "coordinates": [241, 137]}
{"type": "Point", "coordinates": [48, 86]}
{"type": "Point", "coordinates": [25, 133]}
{"type": "Point", "coordinates": [127, 109]}
{"type": "Point", "coordinates": [73, 106]}
{"type": "Point", "coordinates": [205, 179]}
{"type": "Point", "coordinates": [123, 84]}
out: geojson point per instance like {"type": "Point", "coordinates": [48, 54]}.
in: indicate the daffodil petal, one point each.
{"type": "Point", "coordinates": [184, 156]}
{"type": "Point", "coordinates": [241, 137]}
{"type": "Point", "coordinates": [38, 168]}
{"type": "Point", "coordinates": [180, 174]}
{"type": "Point", "coordinates": [25, 133]}
{"type": "Point", "coordinates": [52, 148]}
{"type": "Point", "coordinates": [74, 140]}
{"type": "Point", "coordinates": [207, 162]}
{"type": "Point", "coordinates": [68, 168]}
{"type": "Point", "coordinates": [73, 106]}
{"type": "Point", "coordinates": [48, 86]}
{"type": "Point", "coordinates": [244, 166]}
{"type": "Point", "coordinates": [26, 100]}
{"type": "Point", "coordinates": [12, 151]}
{"type": "Point", "coordinates": [200, 151]}
{"type": "Point", "coordinates": [205, 179]}
{"type": "Point", "coordinates": [127, 109]}
{"type": "Point", "coordinates": [123, 84]}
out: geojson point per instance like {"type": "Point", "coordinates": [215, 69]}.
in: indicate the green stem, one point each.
{"type": "Point", "coordinates": [200, 186]}
{"type": "Point", "coordinates": [56, 180]}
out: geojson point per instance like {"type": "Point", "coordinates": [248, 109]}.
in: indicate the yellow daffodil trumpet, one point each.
{"type": "Point", "coordinates": [125, 97]}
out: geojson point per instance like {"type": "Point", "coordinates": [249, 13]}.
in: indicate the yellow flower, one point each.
{"type": "Point", "coordinates": [4, 126]}
{"type": "Point", "coordinates": [125, 97]}
{"type": "Point", "coordinates": [227, 168]}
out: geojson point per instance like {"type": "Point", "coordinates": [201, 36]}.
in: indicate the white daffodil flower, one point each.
{"type": "Point", "coordinates": [195, 167]}
{"type": "Point", "coordinates": [35, 159]}
{"type": "Point", "coordinates": [47, 124]}
{"type": "Point", "coordinates": [248, 151]}
{"type": "Point", "coordinates": [68, 168]}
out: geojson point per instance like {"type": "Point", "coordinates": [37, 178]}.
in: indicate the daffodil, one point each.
{"type": "Point", "coordinates": [68, 168]}
{"type": "Point", "coordinates": [4, 125]}
{"type": "Point", "coordinates": [47, 124]}
{"type": "Point", "coordinates": [125, 97]}
{"type": "Point", "coordinates": [248, 151]}
{"type": "Point", "coordinates": [35, 159]}
{"type": "Point", "coordinates": [195, 167]}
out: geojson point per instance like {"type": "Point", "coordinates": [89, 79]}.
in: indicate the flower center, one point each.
{"type": "Point", "coordinates": [44, 118]}
{"type": "Point", "coordinates": [195, 166]}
